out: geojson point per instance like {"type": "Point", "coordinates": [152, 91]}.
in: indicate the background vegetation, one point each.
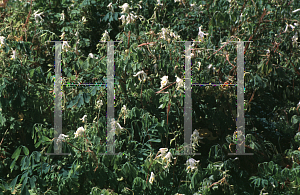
{"type": "Point", "coordinates": [152, 121]}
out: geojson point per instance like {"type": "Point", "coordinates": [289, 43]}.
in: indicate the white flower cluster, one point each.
{"type": "Point", "coordinates": [65, 45]}
{"type": "Point", "coordinates": [289, 25]}
{"type": "Point", "coordinates": [116, 127]}
{"type": "Point", "coordinates": [105, 36]}
{"type": "Point", "coordinates": [79, 132]}
{"type": "Point", "coordinates": [165, 156]}
{"type": "Point", "coordinates": [99, 104]}
{"type": "Point", "coordinates": [2, 41]}
{"type": "Point", "coordinates": [191, 164]}
{"type": "Point", "coordinates": [201, 34]}
{"type": "Point", "coordinates": [125, 8]}
{"type": "Point", "coordinates": [129, 19]}
{"type": "Point", "coordinates": [164, 81]}
{"type": "Point", "coordinates": [142, 76]}
{"type": "Point", "coordinates": [195, 139]}
{"type": "Point", "coordinates": [167, 34]}
{"type": "Point", "coordinates": [37, 16]}
{"type": "Point", "coordinates": [179, 82]}
{"type": "Point", "coordinates": [60, 138]}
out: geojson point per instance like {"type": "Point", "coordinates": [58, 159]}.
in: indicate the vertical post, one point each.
{"type": "Point", "coordinates": [57, 98]}
{"type": "Point", "coordinates": [240, 136]}
{"type": "Point", "coordinates": [57, 101]}
{"type": "Point", "coordinates": [187, 100]}
{"type": "Point", "coordinates": [110, 98]}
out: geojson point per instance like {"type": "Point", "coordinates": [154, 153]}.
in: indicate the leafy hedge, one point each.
{"type": "Point", "coordinates": [149, 106]}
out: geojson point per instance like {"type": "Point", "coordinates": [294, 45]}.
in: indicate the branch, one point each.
{"type": "Point", "coordinates": [220, 48]}
{"type": "Point", "coordinates": [260, 20]}
{"type": "Point", "coordinates": [165, 88]}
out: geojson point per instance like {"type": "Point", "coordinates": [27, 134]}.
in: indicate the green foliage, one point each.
{"type": "Point", "coordinates": [153, 119]}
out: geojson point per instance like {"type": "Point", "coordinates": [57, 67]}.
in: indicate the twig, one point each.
{"type": "Point", "coordinates": [165, 88]}
{"type": "Point", "coordinates": [260, 20]}
{"type": "Point", "coordinates": [218, 182]}
{"type": "Point", "coordinates": [3, 137]}
{"type": "Point", "coordinates": [220, 48]}
{"type": "Point", "coordinates": [251, 97]}
{"type": "Point", "coordinates": [149, 168]}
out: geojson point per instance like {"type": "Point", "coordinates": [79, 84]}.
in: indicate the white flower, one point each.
{"type": "Point", "coordinates": [91, 55]}
{"type": "Point", "coordinates": [65, 44]}
{"type": "Point", "coordinates": [13, 56]}
{"type": "Point", "coordinates": [125, 8]}
{"type": "Point", "coordinates": [295, 10]}
{"type": "Point", "coordinates": [79, 132]}
{"type": "Point", "coordinates": [99, 104]}
{"type": "Point", "coordinates": [163, 33]}
{"type": "Point", "coordinates": [164, 81]}
{"type": "Point", "coordinates": [201, 34]}
{"type": "Point", "coordinates": [195, 137]}
{"type": "Point", "coordinates": [76, 34]}
{"type": "Point", "coordinates": [287, 26]}
{"type": "Point", "coordinates": [295, 37]}
{"type": "Point", "coordinates": [159, 3]}
{"type": "Point", "coordinates": [192, 164]}
{"type": "Point", "coordinates": [209, 66]}
{"type": "Point", "coordinates": [168, 157]}
{"type": "Point", "coordinates": [82, 119]}
{"type": "Point", "coordinates": [62, 17]}
{"type": "Point", "coordinates": [298, 104]}
{"type": "Point", "coordinates": [179, 82]}
{"type": "Point", "coordinates": [123, 109]}
{"type": "Point", "coordinates": [105, 36]}
{"type": "Point", "coordinates": [116, 127]}
{"type": "Point", "coordinates": [141, 76]}
{"type": "Point", "coordinates": [162, 152]}
{"type": "Point", "coordinates": [123, 18]}
{"type": "Point", "coordinates": [192, 5]}
{"type": "Point", "coordinates": [83, 19]}
{"type": "Point", "coordinates": [60, 138]}
{"type": "Point", "coordinates": [62, 35]}
{"type": "Point", "coordinates": [152, 178]}
{"type": "Point", "coordinates": [2, 41]}
{"type": "Point", "coordinates": [268, 51]}
{"type": "Point", "coordinates": [176, 1]}
{"type": "Point", "coordinates": [37, 16]}
{"type": "Point", "coordinates": [199, 65]}
{"type": "Point", "coordinates": [130, 19]}
{"type": "Point", "coordinates": [110, 6]}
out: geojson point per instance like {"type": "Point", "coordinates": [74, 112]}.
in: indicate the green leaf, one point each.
{"type": "Point", "coordinates": [80, 102]}
{"type": "Point", "coordinates": [16, 154]}
{"type": "Point", "coordinates": [32, 182]}
{"type": "Point", "coordinates": [86, 97]}
{"type": "Point", "coordinates": [25, 150]}
{"type": "Point", "coordinates": [93, 91]}
{"type": "Point", "coordinates": [116, 16]}
{"type": "Point", "coordinates": [25, 189]}
{"type": "Point", "coordinates": [13, 183]}
{"type": "Point", "coordinates": [105, 18]}
{"type": "Point", "coordinates": [154, 140]}
{"type": "Point", "coordinates": [31, 72]}
{"type": "Point", "coordinates": [295, 119]}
